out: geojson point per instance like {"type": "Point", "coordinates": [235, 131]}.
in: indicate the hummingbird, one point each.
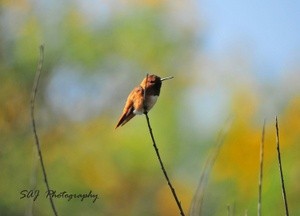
{"type": "Point", "coordinates": [138, 101]}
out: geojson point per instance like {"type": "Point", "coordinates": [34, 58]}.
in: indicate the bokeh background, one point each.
{"type": "Point", "coordinates": [235, 64]}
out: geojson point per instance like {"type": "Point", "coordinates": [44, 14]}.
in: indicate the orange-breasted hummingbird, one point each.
{"type": "Point", "coordinates": [138, 102]}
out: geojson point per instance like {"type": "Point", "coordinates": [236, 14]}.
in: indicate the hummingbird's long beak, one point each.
{"type": "Point", "coordinates": [166, 78]}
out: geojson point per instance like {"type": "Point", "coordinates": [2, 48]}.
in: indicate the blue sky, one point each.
{"type": "Point", "coordinates": [270, 30]}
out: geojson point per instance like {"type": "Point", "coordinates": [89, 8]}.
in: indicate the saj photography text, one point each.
{"type": "Point", "coordinates": [34, 194]}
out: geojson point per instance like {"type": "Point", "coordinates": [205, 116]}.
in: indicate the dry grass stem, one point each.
{"type": "Point", "coordinates": [37, 142]}
{"type": "Point", "coordinates": [261, 164]}
{"type": "Point", "coordinates": [197, 202]}
{"type": "Point", "coordinates": [280, 169]}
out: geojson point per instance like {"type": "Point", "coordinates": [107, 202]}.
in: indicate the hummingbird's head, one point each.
{"type": "Point", "coordinates": [152, 81]}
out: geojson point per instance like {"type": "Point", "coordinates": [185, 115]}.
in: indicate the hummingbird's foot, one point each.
{"type": "Point", "coordinates": [145, 109]}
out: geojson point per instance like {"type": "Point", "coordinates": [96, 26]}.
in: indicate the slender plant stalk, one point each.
{"type": "Point", "coordinates": [280, 170]}
{"type": "Point", "coordinates": [197, 202]}
{"type": "Point", "coordinates": [32, 182]}
{"type": "Point", "coordinates": [228, 210]}
{"type": "Point", "coordinates": [233, 209]}
{"type": "Point", "coordinates": [163, 168]}
{"type": "Point", "coordinates": [37, 142]}
{"type": "Point", "coordinates": [261, 169]}
{"type": "Point", "coordinates": [158, 155]}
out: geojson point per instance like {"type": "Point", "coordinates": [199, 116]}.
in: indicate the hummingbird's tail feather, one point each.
{"type": "Point", "coordinates": [126, 116]}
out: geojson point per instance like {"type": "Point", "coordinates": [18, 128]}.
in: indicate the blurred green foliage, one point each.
{"type": "Point", "coordinates": [120, 166]}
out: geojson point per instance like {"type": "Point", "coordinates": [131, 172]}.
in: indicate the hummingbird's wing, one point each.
{"type": "Point", "coordinates": [134, 99]}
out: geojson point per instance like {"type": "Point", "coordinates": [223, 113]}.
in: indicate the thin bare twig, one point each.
{"type": "Point", "coordinates": [280, 170]}
{"type": "Point", "coordinates": [162, 167]}
{"type": "Point", "coordinates": [32, 182]}
{"type": "Point", "coordinates": [158, 155]}
{"type": "Point", "coordinates": [33, 96]}
{"type": "Point", "coordinates": [261, 169]}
